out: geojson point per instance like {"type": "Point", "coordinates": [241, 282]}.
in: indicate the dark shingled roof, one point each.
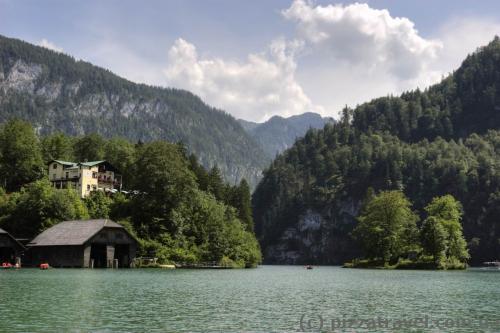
{"type": "Point", "coordinates": [3, 232]}
{"type": "Point", "coordinates": [72, 232]}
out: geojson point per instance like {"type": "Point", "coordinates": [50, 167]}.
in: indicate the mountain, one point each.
{"type": "Point", "coordinates": [248, 125]}
{"type": "Point", "coordinates": [278, 133]}
{"type": "Point", "coordinates": [55, 92]}
{"type": "Point", "coordinates": [444, 140]}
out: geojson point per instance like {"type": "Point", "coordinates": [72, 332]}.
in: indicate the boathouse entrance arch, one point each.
{"type": "Point", "coordinates": [98, 256]}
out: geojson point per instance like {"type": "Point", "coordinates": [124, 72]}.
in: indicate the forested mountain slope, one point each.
{"type": "Point", "coordinates": [55, 92]}
{"type": "Point", "coordinates": [463, 103]}
{"type": "Point", "coordinates": [445, 139]}
{"type": "Point", "coordinates": [278, 133]}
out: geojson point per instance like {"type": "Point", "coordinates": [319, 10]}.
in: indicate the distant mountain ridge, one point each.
{"type": "Point", "coordinates": [55, 92]}
{"type": "Point", "coordinates": [278, 133]}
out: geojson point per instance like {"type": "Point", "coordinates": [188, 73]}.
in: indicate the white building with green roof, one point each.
{"type": "Point", "coordinates": [85, 177]}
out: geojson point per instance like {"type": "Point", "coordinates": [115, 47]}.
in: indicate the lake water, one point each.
{"type": "Point", "coordinates": [266, 299]}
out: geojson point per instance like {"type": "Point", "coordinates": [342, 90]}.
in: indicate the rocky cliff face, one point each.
{"type": "Point", "coordinates": [56, 93]}
{"type": "Point", "coordinates": [316, 236]}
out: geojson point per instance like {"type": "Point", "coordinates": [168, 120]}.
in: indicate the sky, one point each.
{"type": "Point", "coordinates": [260, 58]}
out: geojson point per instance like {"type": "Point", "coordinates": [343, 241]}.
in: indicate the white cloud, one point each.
{"type": "Point", "coordinates": [359, 35]}
{"type": "Point", "coordinates": [49, 45]}
{"type": "Point", "coordinates": [349, 54]}
{"type": "Point", "coordinates": [256, 89]}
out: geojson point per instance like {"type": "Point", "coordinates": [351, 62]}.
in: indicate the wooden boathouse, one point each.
{"type": "Point", "coordinates": [10, 249]}
{"type": "Point", "coordinates": [84, 243]}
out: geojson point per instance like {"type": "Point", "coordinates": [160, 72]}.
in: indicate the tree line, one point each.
{"type": "Point", "coordinates": [180, 212]}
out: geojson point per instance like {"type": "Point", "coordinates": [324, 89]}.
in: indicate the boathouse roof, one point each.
{"type": "Point", "coordinates": [72, 232]}
{"type": "Point", "coordinates": [5, 233]}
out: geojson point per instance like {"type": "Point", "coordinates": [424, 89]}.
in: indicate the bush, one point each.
{"type": "Point", "coordinates": [229, 263]}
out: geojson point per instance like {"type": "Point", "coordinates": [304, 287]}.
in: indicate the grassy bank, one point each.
{"type": "Point", "coordinates": [424, 263]}
{"type": "Point", "coordinates": [224, 263]}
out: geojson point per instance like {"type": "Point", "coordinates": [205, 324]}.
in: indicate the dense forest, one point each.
{"type": "Point", "coordinates": [444, 140]}
{"type": "Point", "coordinates": [55, 92]}
{"type": "Point", "coordinates": [180, 212]}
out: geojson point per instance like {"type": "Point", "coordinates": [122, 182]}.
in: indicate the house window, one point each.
{"type": "Point", "coordinates": [94, 187]}
{"type": "Point", "coordinates": [88, 187]}
{"type": "Point", "coordinates": [54, 166]}
{"type": "Point", "coordinates": [67, 175]}
{"type": "Point", "coordinates": [94, 174]}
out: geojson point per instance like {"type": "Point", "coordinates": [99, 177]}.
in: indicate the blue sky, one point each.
{"type": "Point", "coordinates": [256, 59]}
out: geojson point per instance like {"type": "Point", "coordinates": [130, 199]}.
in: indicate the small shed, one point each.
{"type": "Point", "coordinates": [10, 248]}
{"type": "Point", "coordinates": [84, 243]}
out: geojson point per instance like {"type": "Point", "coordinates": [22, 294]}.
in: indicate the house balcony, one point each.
{"type": "Point", "coordinates": [109, 182]}
{"type": "Point", "coordinates": [65, 179]}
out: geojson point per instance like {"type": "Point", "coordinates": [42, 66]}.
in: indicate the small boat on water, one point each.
{"type": "Point", "coordinates": [308, 267]}
{"type": "Point", "coordinates": [491, 265]}
{"type": "Point", "coordinates": [7, 265]}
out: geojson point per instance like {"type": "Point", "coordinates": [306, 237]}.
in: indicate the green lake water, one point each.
{"type": "Point", "coordinates": [266, 299]}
